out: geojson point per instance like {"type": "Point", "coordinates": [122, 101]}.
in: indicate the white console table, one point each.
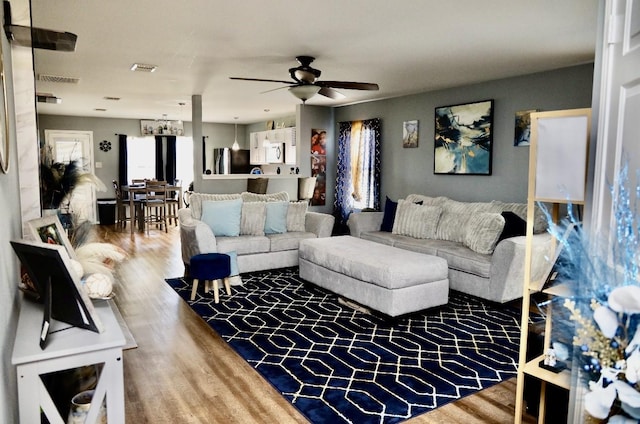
{"type": "Point", "coordinates": [67, 349]}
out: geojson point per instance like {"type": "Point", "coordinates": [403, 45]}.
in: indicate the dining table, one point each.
{"type": "Point", "coordinates": [140, 189]}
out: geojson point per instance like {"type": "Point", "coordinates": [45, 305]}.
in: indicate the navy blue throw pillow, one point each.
{"type": "Point", "coordinates": [389, 215]}
{"type": "Point", "coordinates": [513, 226]}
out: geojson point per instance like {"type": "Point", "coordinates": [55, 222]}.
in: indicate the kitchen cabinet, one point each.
{"type": "Point", "coordinates": [273, 146]}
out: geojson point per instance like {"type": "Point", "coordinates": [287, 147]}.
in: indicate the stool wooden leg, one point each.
{"type": "Point", "coordinates": [216, 295]}
{"type": "Point", "coordinates": [194, 289]}
{"type": "Point", "coordinates": [207, 286]}
{"type": "Point", "coordinates": [227, 286]}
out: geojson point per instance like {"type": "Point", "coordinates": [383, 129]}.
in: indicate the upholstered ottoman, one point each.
{"type": "Point", "coordinates": [390, 280]}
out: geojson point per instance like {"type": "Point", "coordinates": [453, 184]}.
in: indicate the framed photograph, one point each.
{"type": "Point", "coordinates": [522, 136]}
{"type": "Point", "coordinates": [318, 142]}
{"type": "Point", "coordinates": [464, 139]}
{"type": "Point", "coordinates": [60, 289]}
{"type": "Point", "coordinates": [49, 230]}
{"type": "Point", "coordinates": [410, 134]}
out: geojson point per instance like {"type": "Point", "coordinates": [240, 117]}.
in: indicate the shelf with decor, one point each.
{"type": "Point", "coordinates": [557, 178]}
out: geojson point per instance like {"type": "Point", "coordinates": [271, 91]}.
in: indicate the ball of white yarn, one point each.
{"type": "Point", "coordinates": [98, 285]}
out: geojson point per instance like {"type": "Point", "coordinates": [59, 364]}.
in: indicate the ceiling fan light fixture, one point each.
{"type": "Point", "coordinates": [304, 92]}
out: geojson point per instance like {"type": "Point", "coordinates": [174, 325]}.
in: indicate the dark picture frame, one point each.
{"type": "Point", "coordinates": [463, 141]}
{"type": "Point", "coordinates": [61, 291]}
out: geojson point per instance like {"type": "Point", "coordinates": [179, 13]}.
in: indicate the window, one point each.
{"type": "Point", "coordinates": [141, 157]}
{"type": "Point", "coordinates": [184, 160]}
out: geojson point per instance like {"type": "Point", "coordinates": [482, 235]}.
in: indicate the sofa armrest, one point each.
{"type": "Point", "coordinates": [195, 236]}
{"type": "Point", "coordinates": [321, 224]}
{"type": "Point", "coordinates": [507, 265]}
{"type": "Point", "coordinates": [361, 222]}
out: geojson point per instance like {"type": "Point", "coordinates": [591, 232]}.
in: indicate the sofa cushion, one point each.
{"type": "Point", "coordinates": [252, 219]}
{"type": "Point", "coordinates": [222, 216]}
{"type": "Point", "coordinates": [276, 219]}
{"type": "Point", "coordinates": [416, 220]}
{"type": "Point", "coordinates": [196, 199]}
{"type": "Point", "coordinates": [243, 245]}
{"type": "Point", "coordinates": [281, 196]}
{"type": "Point", "coordinates": [388, 219]}
{"type": "Point", "coordinates": [288, 240]}
{"type": "Point", "coordinates": [296, 215]}
{"type": "Point", "coordinates": [461, 258]}
{"type": "Point", "coordinates": [383, 237]}
{"type": "Point", "coordinates": [483, 230]}
{"type": "Point", "coordinates": [426, 246]}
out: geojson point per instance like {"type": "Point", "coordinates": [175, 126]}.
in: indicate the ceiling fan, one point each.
{"type": "Point", "coordinates": [305, 82]}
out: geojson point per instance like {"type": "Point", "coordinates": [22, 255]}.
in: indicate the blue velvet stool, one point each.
{"type": "Point", "coordinates": [210, 267]}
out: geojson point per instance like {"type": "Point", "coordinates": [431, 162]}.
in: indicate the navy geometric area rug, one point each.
{"type": "Point", "coordinates": [336, 364]}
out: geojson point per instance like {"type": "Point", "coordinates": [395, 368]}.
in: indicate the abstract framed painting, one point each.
{"type": "Point", "coordinates": [464, 139]}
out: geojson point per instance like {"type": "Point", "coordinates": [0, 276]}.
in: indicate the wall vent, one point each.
{"type": "Point", "coordinates": [115, 99]}
{"type": "Point", "coordinates": [58, 79]}
{"type": "Point", "coordinates": [143, 67]}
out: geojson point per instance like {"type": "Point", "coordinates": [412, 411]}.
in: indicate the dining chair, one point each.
{"type": "Point", "coordinates": [306, 186]}
{"type": "Point", "coordinates": [257, 185]}
{"type": "Point", "coordinates": [155, 204]}
{"type": "Point", "coordinates": [173, 202]}
{"type": "Point", "coordinates": [121, 208]}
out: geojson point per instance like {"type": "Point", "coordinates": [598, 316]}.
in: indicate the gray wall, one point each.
{"type": "Point", "coordinates": [218, 135]}
{"type": "Point", "coordinates": [406, 171]}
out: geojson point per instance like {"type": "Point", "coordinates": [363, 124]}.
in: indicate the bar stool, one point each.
{"type": "Point", "coordinates": [210, 267]}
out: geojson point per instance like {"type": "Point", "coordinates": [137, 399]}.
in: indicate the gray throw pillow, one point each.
{"type": "Point", "coordinates": [416, 221]}
{"type": "Point", "coordinates": [296, 215]}
{"type": "Point", "coordinates": [482, 232]}
{"type": "Point", "coordinates": [252, 220]}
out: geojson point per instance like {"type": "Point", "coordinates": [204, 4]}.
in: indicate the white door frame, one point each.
{"type": "Point", "coordinates": [85, 138]}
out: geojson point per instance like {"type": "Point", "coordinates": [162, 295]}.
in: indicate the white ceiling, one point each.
{"type": "Point", "coordinates": [406, 46]}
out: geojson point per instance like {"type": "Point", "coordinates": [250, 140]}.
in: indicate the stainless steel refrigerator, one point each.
{"type": "Point", "coordinates": [229, 161]}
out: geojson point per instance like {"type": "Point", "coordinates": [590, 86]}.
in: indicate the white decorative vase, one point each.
{"type": "Point", "coordinates": [80, 405]}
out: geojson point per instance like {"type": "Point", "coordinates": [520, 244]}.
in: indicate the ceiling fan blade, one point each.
{"type": "Point", "coordinates": [331, 93]}
{"type": "Point", "coordinates": [260, 79]}
{"type": "Point", "coordinates": [276, 89]}
{"type": "Point", "coordinates": [348, 85]}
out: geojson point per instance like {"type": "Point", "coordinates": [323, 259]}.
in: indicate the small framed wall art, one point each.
{"type": "Point", "coordinates": [522, 135]}
{"type": "Point", "coordinates": [410, 134]}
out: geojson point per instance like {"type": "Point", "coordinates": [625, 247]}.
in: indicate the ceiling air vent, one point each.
{"type": "Point", "coordinates": [141, 67]}
{"type": "Point", "coordinates": [59, 79]}
{"type": "Point", "coordinates": [115, 99]}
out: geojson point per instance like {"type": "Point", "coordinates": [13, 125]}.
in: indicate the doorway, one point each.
{"type": "Point", "coordinates": [67, 146]}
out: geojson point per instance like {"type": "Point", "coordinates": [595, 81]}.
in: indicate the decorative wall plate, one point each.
{"type": "Point", "coordinates": [105, 145]}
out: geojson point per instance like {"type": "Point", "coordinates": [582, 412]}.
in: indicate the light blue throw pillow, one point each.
{"type": "Point", "coordinates": [222, 216]}
{"type": "Point", "coordinates": [233, 262]}
{"type": "Point", "coordinates": [276, 220]}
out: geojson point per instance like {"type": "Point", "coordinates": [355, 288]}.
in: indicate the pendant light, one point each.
{"type": "Point", "coordinates": [235, 146]}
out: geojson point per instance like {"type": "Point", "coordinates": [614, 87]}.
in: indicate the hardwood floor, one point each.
{"type": "Point", "coordinates": [183, 372]}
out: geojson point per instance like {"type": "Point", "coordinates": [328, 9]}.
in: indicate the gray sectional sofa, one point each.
{"type": "Point", "coordinates": [255, 249]}
{"type": "Point", "coordinates": [468, 236]}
